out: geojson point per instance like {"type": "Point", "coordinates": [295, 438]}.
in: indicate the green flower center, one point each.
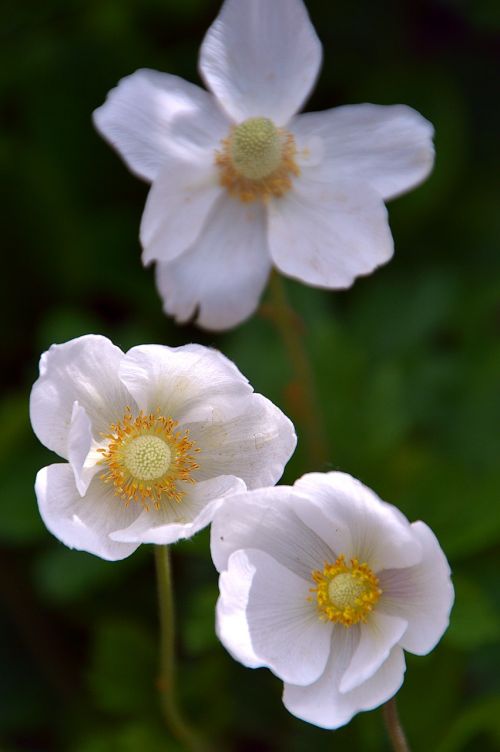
{"type": "Point", "coordinates": [256, 148]}
{"type": "Point", "coordinates": [147, 457]}
{"type": "Point", "coordinates": [345, 589]}
{"type": "Point", "coordinates": [345, 593]}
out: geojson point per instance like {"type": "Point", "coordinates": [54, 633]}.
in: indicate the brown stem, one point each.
{"type": "Point", "coordinates": [302, 391]}
{"type": "Point", "coordinates": [394, 727]}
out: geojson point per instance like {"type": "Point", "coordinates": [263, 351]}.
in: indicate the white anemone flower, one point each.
{"type": "Point", "coordinates": [241, 182]}
{"type": "Point", "coordinates": [154, 438]}
{"type": "Point", "coordinates": [326, 585]}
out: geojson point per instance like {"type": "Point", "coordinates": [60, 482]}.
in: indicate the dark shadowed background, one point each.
{"type": "Point", "coordinates": [407, 364]}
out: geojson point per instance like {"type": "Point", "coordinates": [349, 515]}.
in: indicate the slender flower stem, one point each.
{"type": "Point", "coordinates": [303, 392]}
{"type": "Point", "coordinates": [394, 727]}
{"type": "Point", "coordinates": [171, 711]}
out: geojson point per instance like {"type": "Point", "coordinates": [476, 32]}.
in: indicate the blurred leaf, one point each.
{"type": "Point", "coordinates": [21, 457]}
{"type": "Point", "coordinates": [470, 522]}
{"type": "Point", "coordinates": [484, 13]}
{"type": "Point", "coordinates": [61, 325]}
{"type": "Point", "coordinates": [20, 521]}
{"type": "Point", "coordinates": [479, 722]}
{"type": "Point", "coordinates": [199, 623]}
{"type": "Point", "coordinates": [64, 575]}
{"type": "Point", "coordinates": [474, 622]}
{"type": "Point", "coordinates": [397, 313]}
{"type": "Point", "coordinates": [428, 697]}
{"type": "Point", "coordinates": [130, 737]}
{"type": "Point", "coordinates": [24, 699]}
{"type": "Point", "coordinates": [123, 670]}
{"type": "Point", "coordinates": [15, 424]}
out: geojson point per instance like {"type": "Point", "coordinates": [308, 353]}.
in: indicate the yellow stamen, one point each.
{"type": "Point", "coordinates": [345, 594]}
{"type": "Point", "coordinates": [146, 459]}
{"type": "Point", "coordinates": [257, 160]}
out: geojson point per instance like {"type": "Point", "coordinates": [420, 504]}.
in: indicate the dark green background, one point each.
{"type": "Point", "coordinates": [407, 364]}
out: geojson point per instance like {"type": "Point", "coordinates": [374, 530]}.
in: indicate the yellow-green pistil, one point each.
{"type": "Point", "coordinates": [256, 148]}
{"type": "Point", "coordinates": [147, 459]}
{"type": "Point", "coordinates": [345, 593]}
{"type": "Point", "coordinates": [257, 160]}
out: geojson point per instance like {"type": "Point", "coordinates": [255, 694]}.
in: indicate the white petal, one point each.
{"type": "Point", "coordinates": [178, 206]}
{"type": "Point", "coordinates": [328, 234]}
{"type": "Point", "coordinates": [261, 58]}
{"type": "Point", "coordinates": [321, 703]}
{"type": "Point", "coordinates": [283, 627]}
{"type": "Point", "coordinates": [187, 383]}
{"type": "Point", "coordinates": [267, 520]}
{"type": "Point", "coordinates": [356, 523]}
{"type": "Point", "coordinates": [83, 523]}
{"type": "Point", "coordinates": [231, 622]}
{"type": "Point", "coordinates": [140, 115]}
{"type": "Point", "coordinates": [83, 370]}
{"type": "Point", "coordinates": [377, 638]}
{"type": "Point", "coordinates": [422, 594]}
{"type": "Point", "coordinates": [79, 445]}
{"type": "Point", "coordinates": [387, 147]}
{"type": "Point", "coordinates": [177, 520]}
{"type": "Point", "coordinates": [254, 445]}
{"type": "Point", "coordinates": [221, 277]}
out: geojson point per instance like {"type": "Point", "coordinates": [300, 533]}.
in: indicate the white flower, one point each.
{"type": "Point", "coordinates": [154, 438]}
{"type": "Point", "coordinates": [325, 584]}
{"type": "Point", "coordinates": [240, 181]}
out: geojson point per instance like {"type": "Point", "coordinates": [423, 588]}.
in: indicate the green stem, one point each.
{"type": "Point", "coordinates": [303, 398]}
{"type": "Point", "coordinates": [394, 727]}
{"type": "Point", "coordinates": [171, 711]}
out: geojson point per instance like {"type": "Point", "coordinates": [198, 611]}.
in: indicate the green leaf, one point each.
{"type": "Point", "coordinates": [21, 456]}
{"type": "Point", "coordinates": [199, 623]}
{"type": "Point", "coordinates": [474, 620]}
{"type": "Point", "coordinates": [64, 575]}
{"type": "Point", "coordinates": [474, 723]}
{"type": "Point", "coordinates": [123, 669]}
{"type": "Point", "coordinates": [131, 737]}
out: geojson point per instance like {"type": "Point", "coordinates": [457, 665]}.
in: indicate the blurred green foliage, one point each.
{"type": "Point", "coordinates": [407, 365]}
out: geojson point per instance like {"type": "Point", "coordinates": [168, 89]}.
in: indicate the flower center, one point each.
{"type": "Point", "coordinates": [256, 148]}
{"type": "Point", "coordinates": [257, 160]}
{"type": "Point", "coordinates": [345, 594]}
{"type": "Point", "coordinates": [146, 459]}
